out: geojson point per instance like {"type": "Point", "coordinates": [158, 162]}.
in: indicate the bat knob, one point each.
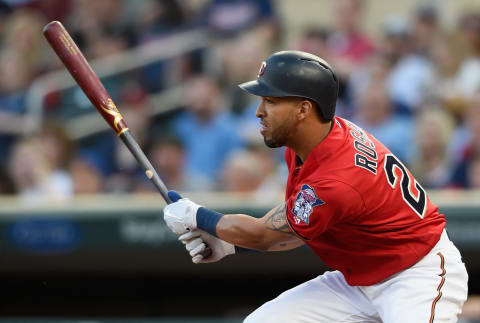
{"type": "Point", "coordinates": [207, 252]}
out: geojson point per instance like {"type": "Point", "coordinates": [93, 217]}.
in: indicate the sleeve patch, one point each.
{"type": "Point", "coordinates": [304, 203]}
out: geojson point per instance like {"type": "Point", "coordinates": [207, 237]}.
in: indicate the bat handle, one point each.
{"type": "Point", "coordinates": [150, 172]}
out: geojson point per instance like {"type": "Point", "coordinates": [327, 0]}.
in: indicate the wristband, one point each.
{"type": "Point", "coordinates": [207, 220]}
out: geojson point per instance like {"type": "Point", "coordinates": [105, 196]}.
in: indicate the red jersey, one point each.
{"type": "Point", "coordinates": [358, 207]}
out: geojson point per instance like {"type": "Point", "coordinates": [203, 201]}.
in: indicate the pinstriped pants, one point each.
{"type": "Point", "coordinates": [431, 291]}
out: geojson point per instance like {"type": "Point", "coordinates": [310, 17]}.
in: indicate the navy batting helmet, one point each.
{"type": "Point", "coordinates": [300, 74]}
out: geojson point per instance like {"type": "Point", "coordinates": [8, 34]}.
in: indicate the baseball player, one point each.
{"type": "Point", "coordinates": [349, 199]}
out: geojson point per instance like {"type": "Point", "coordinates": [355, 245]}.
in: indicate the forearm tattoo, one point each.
{"type": "Point", "coordinates": [276, 219]}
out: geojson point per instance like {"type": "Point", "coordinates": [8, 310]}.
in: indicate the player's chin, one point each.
{"type": "Point", "coordinates": [271, 143]}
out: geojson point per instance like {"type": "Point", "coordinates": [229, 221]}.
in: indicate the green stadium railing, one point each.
{"type": "Point", "coordinates": [99, 233]}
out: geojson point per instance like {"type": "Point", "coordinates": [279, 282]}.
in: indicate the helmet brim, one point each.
{"type": "Point", "coordinates": [261, 89]}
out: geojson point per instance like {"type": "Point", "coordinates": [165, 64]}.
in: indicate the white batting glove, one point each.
{"type": "Point", "coordinates": [181, 216]}
{"type": "Point", "coordinates": [195, 242]}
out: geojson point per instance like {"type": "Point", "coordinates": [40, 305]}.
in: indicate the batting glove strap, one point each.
{"type": "Point", "coordinates": [207, 220]}
{"type": "Point", "coordinates": [244, 250]}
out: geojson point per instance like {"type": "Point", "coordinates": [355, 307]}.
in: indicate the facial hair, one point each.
{"type": "Point", "coordinates": [279, 137]}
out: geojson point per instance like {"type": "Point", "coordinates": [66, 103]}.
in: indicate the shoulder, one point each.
{"type": "Point", "coordinates": [334, 191]}
{"type": "Point", "coordinates": [317, 206]}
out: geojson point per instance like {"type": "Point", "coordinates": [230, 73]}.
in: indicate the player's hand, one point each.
{"type": "Point", "coordinates": [195, 242]}
{"type": "Point", "coordinates": [180, 216]}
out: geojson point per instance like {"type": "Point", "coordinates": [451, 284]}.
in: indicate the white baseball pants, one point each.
{"type": "Point", "coordinates": [431, 291]}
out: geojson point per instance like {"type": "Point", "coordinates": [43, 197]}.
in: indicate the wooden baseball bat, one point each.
{"type": "Point", "coordinates": [77, 65]}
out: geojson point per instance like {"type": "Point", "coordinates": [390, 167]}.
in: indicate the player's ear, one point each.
{"type": "Point", "coordinates": [306, 108]}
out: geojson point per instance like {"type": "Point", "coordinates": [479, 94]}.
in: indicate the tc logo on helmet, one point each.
{"type": "Point", "coordinates": [262, 68]}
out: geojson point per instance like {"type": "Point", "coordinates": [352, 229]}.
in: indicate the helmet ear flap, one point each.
{"type": "Point", "coordinates": [318, 110]}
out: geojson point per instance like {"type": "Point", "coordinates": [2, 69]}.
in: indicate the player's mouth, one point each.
{"type": "Point", "coordinates": [263, 127]}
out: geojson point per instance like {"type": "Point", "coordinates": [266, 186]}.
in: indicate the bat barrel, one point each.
{"type": "Point", "coordinates": [77, 65]}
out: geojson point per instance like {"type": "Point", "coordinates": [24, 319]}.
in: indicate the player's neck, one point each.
{"type": "Point", "coordinates": [308, 137]}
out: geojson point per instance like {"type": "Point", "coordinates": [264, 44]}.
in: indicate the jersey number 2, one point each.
{"type": "Point", "coordinates": [418, 204]}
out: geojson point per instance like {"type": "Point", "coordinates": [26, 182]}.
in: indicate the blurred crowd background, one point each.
{"type": "Point", "coordinates": [410, 77]}
{"type": "Point", "coordinates": [412, 81]}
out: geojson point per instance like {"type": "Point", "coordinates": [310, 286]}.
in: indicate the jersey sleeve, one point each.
{"type": "Point", "coordinates": [313, 208]}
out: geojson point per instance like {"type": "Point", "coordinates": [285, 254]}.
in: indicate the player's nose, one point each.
{"type": "Point", "coordinates": [260, 112]}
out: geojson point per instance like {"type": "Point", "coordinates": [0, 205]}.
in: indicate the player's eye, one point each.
{"type": "Point", "coordinates": [268, 101]}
